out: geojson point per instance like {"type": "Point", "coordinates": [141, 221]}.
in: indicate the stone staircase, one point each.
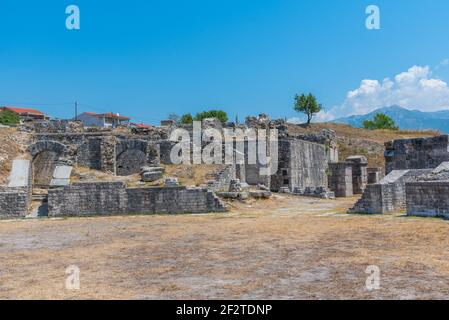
{"type": "Point", "coordinates": [216, 201]}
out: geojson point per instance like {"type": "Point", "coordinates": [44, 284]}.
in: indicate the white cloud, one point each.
{"type": "Point", "coordinates": [413, 89]}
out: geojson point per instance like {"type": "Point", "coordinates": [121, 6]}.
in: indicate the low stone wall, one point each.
{"type": "Point", "coordinates": [14, 202]}
{"type": "Point", "coordinates": [428, 199]}
{"type": "Point", "coordinates": [108, 198]}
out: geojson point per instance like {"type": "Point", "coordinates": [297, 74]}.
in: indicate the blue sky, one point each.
{"type": "Point", "coordinates": [149, 58]}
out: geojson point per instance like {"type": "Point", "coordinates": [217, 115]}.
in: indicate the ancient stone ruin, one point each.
{"type": "Point", "coordinates": [352, 176]}
{"type": "Point", "coordinates": [417, 179]}
{"type": "Point", "coordinates": [57, 147]}
{"type": "Point", "coordinates": [428, 196]}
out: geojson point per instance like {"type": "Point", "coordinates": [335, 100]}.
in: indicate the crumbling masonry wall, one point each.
{"type": "Point", "coordinates": [99, 151]}
{"type": "Point", "coordinates": [108, 198]}
{"type": "Point", "coordinates": [420, 153]}
{"type": "Point", "coordinates": [14, 202]}
{"type": "Point", "coordinates": [389, 195]}
{"type": "Point", "coordinates": [428, 199]}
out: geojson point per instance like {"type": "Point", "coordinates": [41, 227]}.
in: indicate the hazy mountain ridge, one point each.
{"type": "Point", "coordinates": [406, 119]}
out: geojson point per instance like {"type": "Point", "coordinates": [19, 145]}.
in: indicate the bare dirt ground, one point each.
{"type": "Point", "coordinates": [283, 248]}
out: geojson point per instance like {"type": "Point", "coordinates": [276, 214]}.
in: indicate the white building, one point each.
{"type": "Point", "coordinates": [91, 119]}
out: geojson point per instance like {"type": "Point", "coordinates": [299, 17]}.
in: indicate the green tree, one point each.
{"type": "Point", "coordinates": [307, 104]}
{"type": "Point", "coordinates": [186, 118]}
{"type": "Point", "coordinates": [7, 117]}
{"type": "Point", "coordinates": [380, 121]}
{"type": "Point", "coordinates": [219, 114]}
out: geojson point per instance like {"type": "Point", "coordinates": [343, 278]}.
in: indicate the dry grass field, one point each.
{"type": "Point", "coordinates": [282, 248]}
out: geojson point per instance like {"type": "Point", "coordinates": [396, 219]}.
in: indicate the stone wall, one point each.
{"type": "Point", "coordinates": [103, 151]}
{"type": "Point", "coordinates": [428, 198]}
{"type": "Point", "coordinates": [14, 202]}
{"type": "Point", "coordinates": [418, 153]}
{"type": "Point", "coordinates": [108, 198]}
{"type": "Point", "coordinates": [302, 164]}
{"type": "Point", "coordinates": [429, 195]}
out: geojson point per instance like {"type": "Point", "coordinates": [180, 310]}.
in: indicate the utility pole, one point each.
{"type": "Point", "coordinates": [76, 111]}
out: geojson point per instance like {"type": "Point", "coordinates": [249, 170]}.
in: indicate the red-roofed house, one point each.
{"type": "Point", "coordinates": [141, 125]}
{"type": "Point", "coordinates": [108, 119]}
{"type": "Point", "coordinates": [26, 114]}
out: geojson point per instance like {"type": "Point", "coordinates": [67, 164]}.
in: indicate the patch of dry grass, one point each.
{"type": "Point", "coordinates": [13, 145]}
{"type": "Point", "coordinates": [282, 248]}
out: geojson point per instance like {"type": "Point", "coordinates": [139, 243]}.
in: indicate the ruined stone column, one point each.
{"type": "Point", "coordinates": [359, 173]}
{"type": "Point", "coordinates": [340, 179]}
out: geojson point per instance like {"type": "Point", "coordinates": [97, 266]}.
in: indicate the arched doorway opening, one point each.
{"type": "Point", "coordinates": [130, 161]}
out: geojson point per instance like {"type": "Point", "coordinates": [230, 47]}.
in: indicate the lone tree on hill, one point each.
{"type": "Point", "coordinates": [307, 104]}
{"type": "Point", "coordinates": [381, 121]}
{"type": "Point", "coordinates": [7, 117]}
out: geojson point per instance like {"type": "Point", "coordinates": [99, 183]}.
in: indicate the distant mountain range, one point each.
{"type": "Point", "coordinates": [405, 119]}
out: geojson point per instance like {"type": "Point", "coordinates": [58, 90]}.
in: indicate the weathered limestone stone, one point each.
{"type": "Point", "coordinates": [389, 195]}
{"type": "Point", "coordinates": [260, 194]}
{"type": "Point", "coordinates": [15, 198]}
{"type": "Point", "coordinates": [62, 172]}
{"type": "Point", "coordinates": [428, 197]}
{"type": "Point", "coordinates": [152, 176]}
{"type": "Point", "coordinates": [171, 182]}
{"type": "Point", "coordinates": [359, 173]}
{"type": "Point", "coordinates": [61, 176]}
{"type": "Point", "coordinates": [233, 195]}
{"type": "Point", "coordinates": [20, 174]}
{"type": "Point", "coordinates": [340, 179]}
{"type": "Point", "coordinates": [420, 153]}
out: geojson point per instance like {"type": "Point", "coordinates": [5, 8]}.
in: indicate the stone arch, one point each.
{"type": "Point", "coordinates": [130, 161]}
{"type": "Point", "coordinates": [132, 154]}
{"type": "Point", "coordinates": [46, 156]}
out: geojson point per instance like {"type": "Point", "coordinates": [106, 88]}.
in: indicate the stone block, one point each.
{"type": "Point", "coordinates": [20, 174]}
